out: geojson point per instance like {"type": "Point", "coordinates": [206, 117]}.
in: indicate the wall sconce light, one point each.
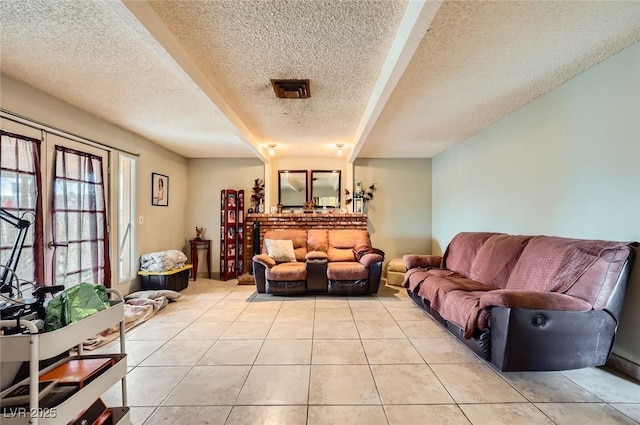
{"type": "Point", "coordinates": [272, 148]}
{"type": "Point", "coordinates": [339, 146]}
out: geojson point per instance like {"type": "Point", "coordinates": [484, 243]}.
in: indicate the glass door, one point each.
{"type": "Point", "coordinates": [77, 213]}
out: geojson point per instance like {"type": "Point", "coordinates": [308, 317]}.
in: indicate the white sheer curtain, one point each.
{"type": "Point", "coordinates": [21, 196]}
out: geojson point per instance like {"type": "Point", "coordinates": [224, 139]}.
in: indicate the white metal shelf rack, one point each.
{"type": "Point", "coordinates": [36, 346]}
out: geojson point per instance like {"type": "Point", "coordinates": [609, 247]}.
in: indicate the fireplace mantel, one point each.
{"type": "Point", "coordinates": [302, 221]}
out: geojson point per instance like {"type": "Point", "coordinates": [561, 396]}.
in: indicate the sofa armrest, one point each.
{"type": "Point", "coordinates": [259, 274]}
{"type": "Point", "coordinates": [316, 255]}
{"type": "Point", "coordinates": [524, 339]}
{"type": "Point", "coordinates": [369, 259]}
{"type": "Point", "coordinates": [413, 261]}
{"type": "Point", "coordinates": [265, 260]}
{"type": "Point", "coordinates": [533, 300]}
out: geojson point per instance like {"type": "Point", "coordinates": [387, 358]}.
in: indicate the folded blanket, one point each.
{"type": "Point", "coordinates": [162, 261]}
{"type": "Point", "coordinates": [361, 251]}
{"type": "Point", "coordinates": [136, 311]}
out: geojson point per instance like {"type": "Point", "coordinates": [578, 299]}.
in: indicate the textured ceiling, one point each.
{"type": "Point", "coordinates": [97, 56]}
{"type": "Point", "coordinates": [340, 46]}
{"type": "Point", "coordinates": [193, 76]}
{"type": "Point", "coordinates": [482, 60]}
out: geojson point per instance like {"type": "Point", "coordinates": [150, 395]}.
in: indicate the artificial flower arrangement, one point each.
{"type": "Point", "coordinates": [309, 206]}
{"type": "Point", "coordinates": [366, 195]}
{"type": "Point", "coordinates": [257, 196]}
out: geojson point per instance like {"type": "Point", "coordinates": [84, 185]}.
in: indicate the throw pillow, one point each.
{"type": "Point", "coordinates": [280, 250]}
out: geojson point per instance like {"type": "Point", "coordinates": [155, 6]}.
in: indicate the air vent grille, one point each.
{"type": "Point", "coordinates": [291, 89]}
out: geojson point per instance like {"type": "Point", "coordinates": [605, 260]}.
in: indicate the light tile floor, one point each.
{"type": "Point", "coordinates": [224, 354]}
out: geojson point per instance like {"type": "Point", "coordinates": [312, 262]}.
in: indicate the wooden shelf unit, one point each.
{"type": "Point", "coordinates": [231, 233]}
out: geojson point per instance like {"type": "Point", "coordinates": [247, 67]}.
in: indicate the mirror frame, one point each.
{"type": "Point", "coordinates": [338, 172]}
{"type": "Point", "coordinates": [306, 187]}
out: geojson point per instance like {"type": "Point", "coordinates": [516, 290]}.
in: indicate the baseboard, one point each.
{"type": "Point", "coordinates": [625, 366]}
{"type": "Point", "coordinates": [214, 275]}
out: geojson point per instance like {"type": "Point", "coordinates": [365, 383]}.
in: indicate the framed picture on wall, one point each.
{"type": "Point", "coordinates": [159, 190]}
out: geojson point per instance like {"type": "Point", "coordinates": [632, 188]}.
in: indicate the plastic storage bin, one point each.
{"type": "Point", "coordinates": [175, 280]}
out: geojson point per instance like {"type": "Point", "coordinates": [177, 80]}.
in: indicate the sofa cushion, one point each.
{"type": "Point", "coordinates": [280, 250]}
{"type": "Point", "coordinates": [348, 238]}
{"type": "Point", "coordinates": [317, 240]}
{"type": "Point", "coordinates": [438, 283]}
{"type": "Point", "coordinates": [342, 242]}
{"type": "Point", "coordinates": [288, 271]}
{"type": "Point", "coordinates": [497, 258]}
{"type": "Point", "coordinates": [462, 251]}
{"type": "Point", "coordinates": [337, 254]}
{"type": "Point", "coordinates": [553, 264]}
{"type": "Point", "coordinates": [599, 281]}
{"type": "Point", "coordinates": [346, 271]}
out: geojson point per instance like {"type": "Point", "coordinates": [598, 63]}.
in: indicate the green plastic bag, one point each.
{"type": "Point", "coordinates": [74, 304]}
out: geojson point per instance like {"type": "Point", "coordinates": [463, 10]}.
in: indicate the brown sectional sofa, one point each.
{"type": "Point", "coordinates": [326, 262]}
{"type": "Point", "coordinates": [526, 303]}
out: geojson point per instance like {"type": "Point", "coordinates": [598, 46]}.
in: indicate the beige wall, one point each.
{"type": "Point", "coordinates": [400, 212]}
{"type": "Point", "coordinates": [207, 177]}
{"type": "Point", "coordinates": [163, 227]}
{"type": "Point", "coordinates": [565, 165]}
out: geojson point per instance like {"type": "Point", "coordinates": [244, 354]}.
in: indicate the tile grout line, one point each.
{"type": "Point", "coordinates": [154, 409]}
{"type": "Point", "coordinates": [244, 382]}
{"type": "Point", "coordinates": [185, 375]}
{"type": "Point", "coordinates": [373, 377]}
{"type": "Point", "coordinates": [434, 373]}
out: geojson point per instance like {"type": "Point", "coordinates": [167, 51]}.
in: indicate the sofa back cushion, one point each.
{"type": "Point", "coordinates": [597, 283]}
{"type": "Point", "coordinates": [462, 251]}
{"type": "Point", "coordinates": [298, 237]}
{"type": "Point", "coordinates": [554, 264]}
{"type": "Point", "coordinates": [318, 240]}
{"type": "Point", "coordinates": [497, 258]}
{"type": "Point", "coordinates": [342, 242]}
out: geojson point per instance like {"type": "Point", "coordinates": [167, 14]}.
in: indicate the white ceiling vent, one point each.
{"type": "Point", "coordinates": [291, 89]}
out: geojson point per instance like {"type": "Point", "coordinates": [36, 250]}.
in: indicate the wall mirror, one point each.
{"type": "Point", "coordinates": [325, 188]}
{"type": "Point", "coordinates": [292, 188]}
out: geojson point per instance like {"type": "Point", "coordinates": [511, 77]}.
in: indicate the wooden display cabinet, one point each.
{"type": "Point", "coordinates": [231, 233]}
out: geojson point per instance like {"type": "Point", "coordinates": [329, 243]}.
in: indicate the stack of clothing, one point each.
{"type": "Point", "coordinates": [162, 261]}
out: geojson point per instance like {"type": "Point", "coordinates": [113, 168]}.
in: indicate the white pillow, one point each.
{"type": "Point", "coordinates": [280, 250]}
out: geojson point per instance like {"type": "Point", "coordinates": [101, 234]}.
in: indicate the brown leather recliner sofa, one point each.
{"type": "Point", "coordinates": [526, 303]}
{"type": "Point", "coordinates": [341, 262]}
